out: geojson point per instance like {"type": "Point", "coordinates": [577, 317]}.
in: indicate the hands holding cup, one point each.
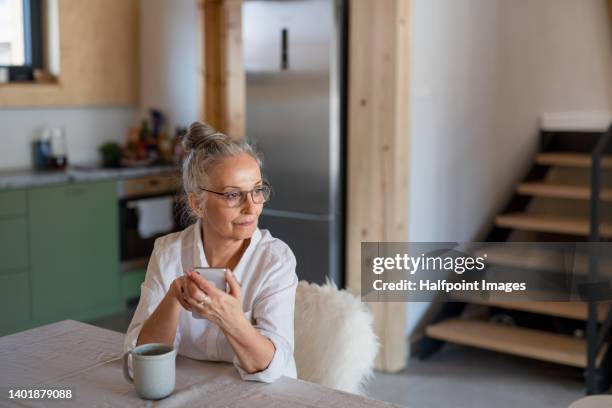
{"type": "Point", "coordinates": [201, 296]}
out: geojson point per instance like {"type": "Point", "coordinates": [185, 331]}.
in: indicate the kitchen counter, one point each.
{"type": "Point", "coordinates": [24, 178]}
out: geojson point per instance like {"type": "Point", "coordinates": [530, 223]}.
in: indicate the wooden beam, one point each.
{"type": "Point", "coordinates": [222, 100]}
{"type": "Point", "coordinates": [378, 147]}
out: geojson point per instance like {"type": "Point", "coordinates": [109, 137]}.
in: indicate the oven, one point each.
{"type": "Point", "coordinates": [149, 207]}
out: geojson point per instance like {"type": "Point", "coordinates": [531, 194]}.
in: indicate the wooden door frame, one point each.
{"type": "Point", "coordinates": [377, 139]}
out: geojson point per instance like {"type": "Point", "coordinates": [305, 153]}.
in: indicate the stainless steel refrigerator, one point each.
{"type": "Point", "coordinates": [294, 53]}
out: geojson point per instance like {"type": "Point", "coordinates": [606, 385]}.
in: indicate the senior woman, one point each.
{"type": "Point", "coordinates": [250, 325]}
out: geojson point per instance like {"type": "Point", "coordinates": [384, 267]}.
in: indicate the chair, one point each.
{"type": "Point", "coordinates": [335, 344]}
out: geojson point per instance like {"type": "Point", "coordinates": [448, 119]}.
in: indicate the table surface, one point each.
{"type": "Point", "coordinates": [88, 360]}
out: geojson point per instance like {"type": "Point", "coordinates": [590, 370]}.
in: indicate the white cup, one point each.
{"type": "Point", "coordinates": [154, 370]}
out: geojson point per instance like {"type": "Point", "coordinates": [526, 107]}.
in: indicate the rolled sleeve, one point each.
{"type": "Point", "coordinates": [151, 294]}
{"type": "Point", "coordinates": [278, 365]}
{"type": "Point", "coordinates": [273, 313]}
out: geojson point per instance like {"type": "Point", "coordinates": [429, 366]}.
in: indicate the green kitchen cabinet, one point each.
{"type": "Point", "coordinates": [130, 284]}
{"type": "Point", "coordinates": [15, 306]}
{"type": "Point", "coordinates": [15, 311]}
{"type": "Point", "coordinates": [12, 203]}
{"type": "Point", "coordinates": [74, 251]}
{"type": "Point", "coordinates": [13, 230]}
{"type": "Point", "coordinates": [14, 239]}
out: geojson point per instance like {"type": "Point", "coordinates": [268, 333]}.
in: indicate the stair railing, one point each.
{"type": "Point", "coordinates": [597, 378]}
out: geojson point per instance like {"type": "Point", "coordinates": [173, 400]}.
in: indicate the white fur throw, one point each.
{"type": "Point", "coordinates": [335, 344]}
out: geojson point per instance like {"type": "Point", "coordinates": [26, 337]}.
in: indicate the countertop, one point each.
{"type": "Point", "coordinates": [26, 177]}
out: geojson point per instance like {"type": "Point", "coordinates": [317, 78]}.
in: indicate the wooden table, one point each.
{"type": "Point", "coordinates": [87, 360]}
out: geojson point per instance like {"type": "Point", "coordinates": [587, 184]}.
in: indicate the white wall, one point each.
{"type": "Point", "coordinates": [169, 65]}
{"type": "Point", "coordinates": [85, 129]}
{"type": "Point", "coordinates": [483, 71]}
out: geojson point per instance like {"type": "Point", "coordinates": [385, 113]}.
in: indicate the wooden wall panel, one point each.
{"type": "Point", "coordinates": [99, 58]}
{"type": "Point", "coordinates": [222, 76]}
{"type": "Point", "coordinates": [378, 136]}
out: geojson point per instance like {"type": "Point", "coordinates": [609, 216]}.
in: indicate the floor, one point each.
{"type": "Point", "coordinates": [460, 377]}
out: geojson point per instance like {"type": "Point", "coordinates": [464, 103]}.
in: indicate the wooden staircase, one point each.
{"type": "Point", "coordinates": [555, 190]}
{"type": "Point", "coordinates": [553, 224]}
{"type": "Point", "coordinates": [568, 150]}
{"type": "Point", "coordinates": [538, 344]}
{"type": "Point", "coordinates": [569, 310]}
{"type": "Point", "coordinates": [569, 159]}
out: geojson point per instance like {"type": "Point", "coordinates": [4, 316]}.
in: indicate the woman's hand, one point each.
{"type": "Point", "coordinates": [254, 350]}
{"type": "Point", "coordinates": [223, 309]}
{"type": "Point", "coordinates": [177, 289]}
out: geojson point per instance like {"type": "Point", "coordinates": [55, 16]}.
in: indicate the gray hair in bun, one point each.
{"type": "Point", "coordinates": [205, 146]}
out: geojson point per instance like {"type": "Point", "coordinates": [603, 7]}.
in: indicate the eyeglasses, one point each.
{"type": "Point", "coordinates": [236, 198]}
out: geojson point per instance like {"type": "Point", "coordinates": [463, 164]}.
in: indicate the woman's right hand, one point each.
{"type": "Point", "coordinates": [177, 289]}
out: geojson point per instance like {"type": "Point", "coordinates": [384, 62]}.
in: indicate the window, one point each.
{"type": "Point", "coordinates": [21, 38]}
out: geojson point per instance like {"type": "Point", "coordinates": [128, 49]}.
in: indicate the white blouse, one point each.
{"type": "Point", "coordinates": [267, 276]}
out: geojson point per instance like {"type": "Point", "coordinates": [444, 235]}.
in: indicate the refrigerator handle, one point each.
{"type": "Point", "coordinates": [284, 49]}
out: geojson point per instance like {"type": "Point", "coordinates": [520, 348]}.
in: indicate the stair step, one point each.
{"type": "Point", "coordinates": [537, 344]}
{"type": "Point", "coordinates": [570, 159]}
{"type": "Point", "coordinates": [554, 224]}
{"type": "Point", "coordinates": [571, 310]}
{"type": "Point", "coordinates": [540, 258]}
{"type": "Point", "coordinates": [553, 190]}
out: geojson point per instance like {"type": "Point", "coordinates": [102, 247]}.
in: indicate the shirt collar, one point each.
{"type": "Point", "coordinates": [199, 258]}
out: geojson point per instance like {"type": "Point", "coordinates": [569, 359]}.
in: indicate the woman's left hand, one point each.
{"type": "Point", "coordinates": [222, 308]}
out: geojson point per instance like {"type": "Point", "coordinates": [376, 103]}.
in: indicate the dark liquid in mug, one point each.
{"type": "Point", "coordinates": [153, 352]}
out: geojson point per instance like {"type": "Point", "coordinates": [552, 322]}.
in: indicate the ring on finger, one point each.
{"type": "Point", "coordinates": [205, 300]}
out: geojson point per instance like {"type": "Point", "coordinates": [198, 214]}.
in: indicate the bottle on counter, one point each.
{"type": "Point", "coordinates": [50, 151]}
{"type": "Point", "coordinates": [143, 140]}
{"type": "Point", "coordinates": [58, 160]}
{"type": "Point", "coordinates": [41, 149]}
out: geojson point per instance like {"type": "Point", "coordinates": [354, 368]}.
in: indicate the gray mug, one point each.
{"type": "Point", "coordinates": [154, 368]}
